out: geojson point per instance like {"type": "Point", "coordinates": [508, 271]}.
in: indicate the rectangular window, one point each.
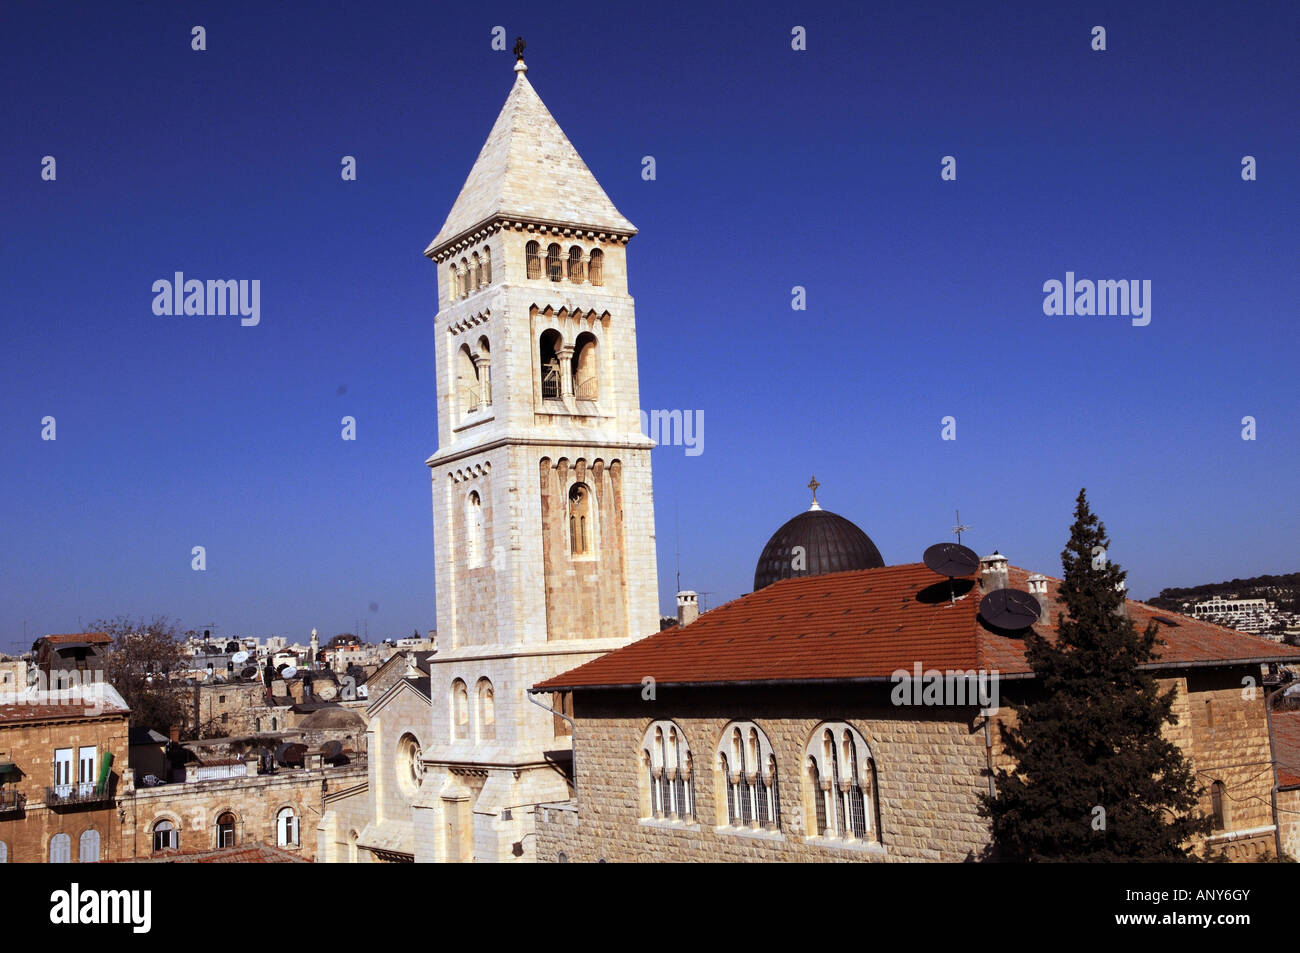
{"type": "Point", "coordinates": [86, 769]}
{"type": "Point", "coordinates": [63, 771]}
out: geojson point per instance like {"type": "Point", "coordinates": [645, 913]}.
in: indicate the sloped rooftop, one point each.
{"type": "Point", "coordinates": [528, 169]}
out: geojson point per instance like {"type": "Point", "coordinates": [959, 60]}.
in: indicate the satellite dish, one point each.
{"type": "Point", "coordinates": [239, 658]}
{"type": "Point", "coordinates": [289, 672]}
{"type": "Point", "coordinates": [1009, 609]}
{"type": "Point", "coordinates": [951, 560]}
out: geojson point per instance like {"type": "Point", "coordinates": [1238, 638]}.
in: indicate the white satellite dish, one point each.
{"type": "Point", "coordinates": [289, 672]}
{"type": "Point", "coordinates": [239, 658]}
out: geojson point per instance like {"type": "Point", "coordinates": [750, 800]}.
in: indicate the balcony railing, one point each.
{"type": "Point", "coordinates": [587, 389]}
{"type": "Point", "coordinates": [75, 795]}
{"type": "Point", "coordinates": [12, 802]}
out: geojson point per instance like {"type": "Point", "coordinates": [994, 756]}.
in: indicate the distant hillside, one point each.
{"type": "Point", "coordinates": [1283, 590]}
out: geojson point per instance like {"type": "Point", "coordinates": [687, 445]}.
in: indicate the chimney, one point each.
{"type": "Point", "coordinates": [1038, 589]}
{"type": "Point", "coordinates": [174, 732]}
{"type": "Point", "coordinates": [993, 572]}
{"type": "Point", "coordinates": [688, 607]}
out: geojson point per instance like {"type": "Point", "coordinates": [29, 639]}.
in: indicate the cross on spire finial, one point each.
{"type": "Point", "coordinates": [813, 485]}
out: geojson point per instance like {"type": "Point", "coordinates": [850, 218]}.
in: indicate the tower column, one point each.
{"type": "Point", "coordinates": [565, 354]}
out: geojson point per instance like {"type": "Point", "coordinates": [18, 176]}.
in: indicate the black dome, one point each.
{"type": "Point", "coordinates": [831, 544]}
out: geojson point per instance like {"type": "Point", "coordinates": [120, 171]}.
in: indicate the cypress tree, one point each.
{"type": "Point", "coordinates": [1088, 733]}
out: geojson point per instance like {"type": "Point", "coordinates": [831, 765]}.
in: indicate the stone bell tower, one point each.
{"type": "Point", "coordinates": [542, 506]}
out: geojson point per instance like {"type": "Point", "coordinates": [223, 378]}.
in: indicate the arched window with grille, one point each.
{"type": "Point", "coordinates": [88, 847]}
{"type": "Point", "coordinates": [459, 711]}
{"type": "Point", "coordinates": [841, 794]}
{"type": "Point", "coordinates": [585, 378]}
{"type": "Point", "coordinates": [60, 849]}
{"type": "Point", "coordinates": [596, 267]}
{"type": "Point", "coordinates": [165, 835]}
{"type": "Point", "coordinates": [747, 778]}
{"type": "Point", "coordinates": [487, 717]}
{"type": "Point", "coordinates": [286, 828]}
{"type": "Point", "coordinates": [533, 260]}
{"type": "Point", "coordinates": [574, 266]}
{"type": "Point", "coordinates": [554, 266]}
{"type": "Point", "coordinates": [467, 381]}
{"type": "Point", "coordinates": [666, 762]}
{"type": "Point", "coordinates": [549, 364]}
{"type": "Point", "coordinates": [582, 527]}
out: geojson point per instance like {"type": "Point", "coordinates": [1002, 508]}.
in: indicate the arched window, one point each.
{"type": "Point", "coordinates": [841, 776]}
{"type": "Point", "coordinates": [273, 723]}
{"type": "Point", "coordinates": [466, 380]}
{"type": "Point", "coordinates": [474, 531]}
{"type": "Point", "coordinates": [554, 268]}
{"type": "Point", "coordinates": [453, 287]}
{"type": "Point", "coordinates": [410, 764]}
{"type": "Point", "coordinates": [596, 267]}
{"type": "Point", "coordinates": [534, 260]}
{"type": "Point", "coordinates": [88, 847]}
{"type": "Point", "coordinates": [459, 711]}
{"type": "Point", "coordinates": [1219, 805]}
{"type": "Point", "coordinates": [226, 829]}
{"type": "Point", "coordinates": [487, 266]}
{"type": "Point", "coordinates": [286, 828]}
{"type": "Point", "coordinates": [257, 724]}
{"type": "Point", "coordinates": [487, 717]}
{"type": "Point", "coordinates": [574, 264]}
{"type": "Point", "coordinates": [666, 764]}
{"type": "Point", "coordinates": [747, 767]}
{"type": "Point", "coordinates": [549, 363]}
{"type": "Point", "coordinates": [478, 272]}
{"type": "Point", "coordinates": [581, 526]}
{"type": "Point", "coordinates": [165, 835]}
{"type": "Point", "coordinates": [60, 849]}
{"type": "Point", "coordinates": [584, 367]}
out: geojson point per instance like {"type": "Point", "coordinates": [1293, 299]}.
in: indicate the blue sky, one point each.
{"type": "Point", "coordinates": [775, 168]}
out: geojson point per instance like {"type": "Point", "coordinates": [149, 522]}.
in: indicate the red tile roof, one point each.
{"type": "Point", "coordinates": [1286, 747]}
{"type": "Point", "coordinates": [94, 638]}
{"type": "Point", "coordinates": [47, 712]}
{"type": "Point", "coordinates": [866, 625]}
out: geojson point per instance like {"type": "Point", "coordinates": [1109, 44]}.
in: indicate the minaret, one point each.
{"type": "Point", "coordinates": [542, 507]}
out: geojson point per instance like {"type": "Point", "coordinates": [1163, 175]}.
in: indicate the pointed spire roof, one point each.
{"type": "Point", "coordinates": [529, 170]}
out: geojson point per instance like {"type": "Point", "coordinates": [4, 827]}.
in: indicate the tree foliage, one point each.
{"type": "Point", "coordinates": [1096, 777]}
{"type": "Point", "coordinates": [139, 662]}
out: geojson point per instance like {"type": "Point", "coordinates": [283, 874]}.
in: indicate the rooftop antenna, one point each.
{"type": "Point", "coordinates": [703, 603]}
{"type": "Point", "coordinates": [960, 527]}
{"type": "Point", "coordinates": [676, 522]}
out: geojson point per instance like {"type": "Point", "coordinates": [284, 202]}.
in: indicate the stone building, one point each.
{"type": "Point", "coordinates": [777, 727]}
{"type": "Point", "coordinates": [62, 754]}
{"type": "Point", "coordinates": [374, 821]}
{"type": "Point", "coordinates": [542, 506]}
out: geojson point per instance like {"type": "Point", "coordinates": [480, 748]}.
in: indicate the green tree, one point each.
{"type": "Point", "coordinates": [140, 663]}
{"type": "Point", "coordinates": [1089, 733]}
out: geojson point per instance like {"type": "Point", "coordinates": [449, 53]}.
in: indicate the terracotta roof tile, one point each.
{"type": "Point", "coordinates": [94, 638]}
{"type": "Point", "coordinates": [868, 624]}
